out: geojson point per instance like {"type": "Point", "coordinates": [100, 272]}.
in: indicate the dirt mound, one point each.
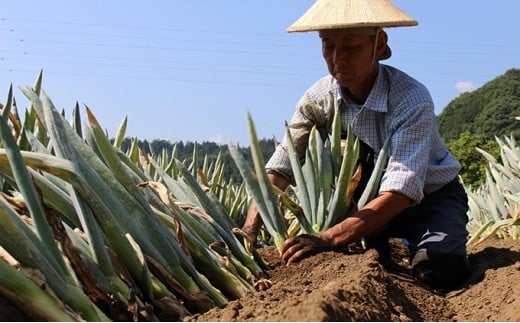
{"type": "Point", "coordinates": [357, 287]}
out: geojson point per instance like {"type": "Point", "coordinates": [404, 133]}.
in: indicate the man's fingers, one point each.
{"type": "Point", "coordinates": [295, 249]}
{"type": "Point", "coordinates": [298, 254]}
{"type": "Point", "coordinates": [288, 251]}
{"type": "Point", "coordinates": [302, 246]}
{"type": "Point", "coordinates": [289, 243]}
{"type": "Point", "coordinates": [248, 236]}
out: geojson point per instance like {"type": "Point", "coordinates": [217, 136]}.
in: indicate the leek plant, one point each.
{"type": "Point", "coordinates": [330, 174]}
{"type": "Point", "coordinates": [494, 208]}
{"type": "Point", "coordinates": [325, 181]}
{"type": "Point", "coordinates": [225, 206]}
{"type": "Point", "coordinates": [34, 300]}
{"type": "Point", "coordinates": [93, 177]}
{"type": "Point", "coordinates": [122, 249]}
{"type": "Point", "coordinates": [37, 248]}
{"type": "Point", "coordinates": [186, 189]}
{"type": "Point", "coordinates": [260, 188]}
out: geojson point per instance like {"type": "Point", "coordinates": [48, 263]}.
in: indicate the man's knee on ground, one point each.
{"type": "Point", "coordinates": [440, 270]}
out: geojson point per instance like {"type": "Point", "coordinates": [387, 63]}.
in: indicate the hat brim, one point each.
{"type": "Point", "coordinates": [346, 14]}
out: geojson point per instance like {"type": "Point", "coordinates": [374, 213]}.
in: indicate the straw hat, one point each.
{"type": "Point", "coordinates": [341, 14]}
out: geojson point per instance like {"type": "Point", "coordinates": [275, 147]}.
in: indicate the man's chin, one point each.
{"type": "Point", "coordinates": [344, 79]}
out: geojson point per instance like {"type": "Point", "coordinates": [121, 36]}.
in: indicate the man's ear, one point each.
{"type": "Point", "coordinates": [382, 39]}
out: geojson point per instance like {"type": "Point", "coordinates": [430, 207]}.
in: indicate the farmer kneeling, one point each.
{"type": "Point", "coordinates": [420, 197]}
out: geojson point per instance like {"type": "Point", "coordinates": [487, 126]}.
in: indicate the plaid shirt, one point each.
{"type": "Point", "coordinates": [399, 106]}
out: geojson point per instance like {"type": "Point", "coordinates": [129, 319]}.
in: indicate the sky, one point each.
{"type": "Point", "coordinates": [191, 70]}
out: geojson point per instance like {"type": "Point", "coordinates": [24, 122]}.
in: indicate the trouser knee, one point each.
{"type": "Point", "coordinates": [440, 270]}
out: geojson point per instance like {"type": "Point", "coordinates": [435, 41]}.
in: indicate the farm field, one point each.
{"type": "Point", "coordinates": [356, 287]}
{"type": "Point", "coordinates": [91, 232]}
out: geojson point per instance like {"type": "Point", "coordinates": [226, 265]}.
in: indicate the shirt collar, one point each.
{"type": "Point", "coordinates": [378, 97]}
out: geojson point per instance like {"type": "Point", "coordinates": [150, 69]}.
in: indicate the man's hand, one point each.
{"type": "Point", "coordinates": [303, 246]}
{"type": "Point", "coordinates": [252, 224]}
{"type": "Point", "coordinates": [251, 227]}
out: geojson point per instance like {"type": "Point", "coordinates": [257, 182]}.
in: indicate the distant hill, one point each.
{"type": "Point", "coordinates": [490, 110]}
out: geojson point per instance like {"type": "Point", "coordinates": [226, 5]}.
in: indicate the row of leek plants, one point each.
{"type": "Point", "coordinates": [210, 176]}
{"type": "Point", "coordinates": [205, 190]}
{"type": "Point", "coordinates": [192, 196]}
{"type": "Point", "coordinates": [129, 246]}
{"type": "Point", "coordinates": [325, 181]}
{"type": "Point", "coordinates": [494, 207]}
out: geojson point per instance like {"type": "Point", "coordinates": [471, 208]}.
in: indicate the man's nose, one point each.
{"type": "Point", "coordinates": [340, 56]}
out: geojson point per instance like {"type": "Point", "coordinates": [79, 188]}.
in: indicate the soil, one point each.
{"type": "Point", "coordinates": [335, 286]}
{"type": "Point", "coordinates": [356, 286]}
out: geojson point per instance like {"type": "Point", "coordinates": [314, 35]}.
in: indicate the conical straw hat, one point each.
{"type": "Point", "coordinates": [340, 14]}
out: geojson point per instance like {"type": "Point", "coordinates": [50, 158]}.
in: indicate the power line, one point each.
{"type": "Point", "coordinates": [205, 32]}
{"type": "Point", "coordinates": [166, 79]}
{"type": "Point", "coordinates": [133, 59]}
{"type": "Point", "coordinates": [148, 47]}
{"type": "Point", "coordinates": [272, 71]}
{"type": "Point", "coordinates": [147, 38]}
{"type": "Point", "coordinates": [191, 30]}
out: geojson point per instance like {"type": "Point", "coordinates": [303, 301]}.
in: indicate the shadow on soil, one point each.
{"type": "Point", "coordinates": [490, 258]}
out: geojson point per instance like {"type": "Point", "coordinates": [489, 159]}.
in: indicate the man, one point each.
{"type": "Point", "coordinates": [420, 197]}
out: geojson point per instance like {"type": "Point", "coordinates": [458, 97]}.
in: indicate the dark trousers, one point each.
{"type": "Point", "coordinates": [435, 231]}
{"type": "Point", "coordinates": [436, 235]}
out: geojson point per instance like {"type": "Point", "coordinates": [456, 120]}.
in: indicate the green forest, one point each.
{"type": "Point", "coordinates": [184, 151]}
{"type": "Point", "coordinates": [469, 121]}
{"type": "Point", "coordinates": [489, 110]}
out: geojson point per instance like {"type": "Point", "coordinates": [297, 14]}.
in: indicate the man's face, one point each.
{"type": "Point", "coordinates": [348, 55]}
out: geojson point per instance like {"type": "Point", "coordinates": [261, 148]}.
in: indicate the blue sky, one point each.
{"type": "Point", "coordinates": [191, 70]}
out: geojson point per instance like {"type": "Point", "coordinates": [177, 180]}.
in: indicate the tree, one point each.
{"type": "Point", "coordinates": [473, 163]}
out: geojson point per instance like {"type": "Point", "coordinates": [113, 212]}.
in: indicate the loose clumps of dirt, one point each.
{"type": "Point", "coordinates": [335, 286]}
